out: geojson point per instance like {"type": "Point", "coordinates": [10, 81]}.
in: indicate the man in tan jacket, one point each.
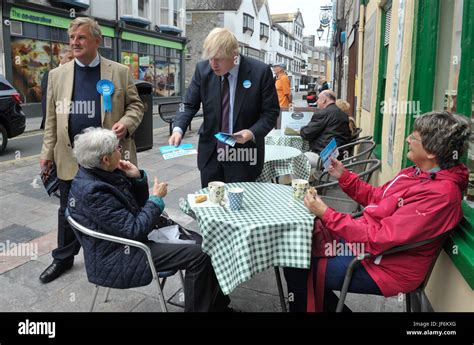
{"type": "Point", "coordinates": [77, 100]}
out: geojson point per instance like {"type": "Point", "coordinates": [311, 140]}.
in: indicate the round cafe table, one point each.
{"type": "Point", "coordinates": [284, 160]}
{"type": "Point", "coordinates": [277, 137]}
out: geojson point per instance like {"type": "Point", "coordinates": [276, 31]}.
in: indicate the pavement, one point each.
{"type": "Point", "coordinates": [28, 223]}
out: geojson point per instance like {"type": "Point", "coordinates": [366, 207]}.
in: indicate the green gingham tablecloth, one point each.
{"type": "Point", "coordinates": [271, 229]}
{"type": "Point", "coordinates": [276, 137]}
{"type": "Point", "coordinates": [284, 160]}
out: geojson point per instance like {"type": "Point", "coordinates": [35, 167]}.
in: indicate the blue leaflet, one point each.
{"type": "Point", "coordinates": [330, 151]}
{"type": "Point", "coordinates": [169, 148]}
{"type": "Point", "coordinates": [226, 138]}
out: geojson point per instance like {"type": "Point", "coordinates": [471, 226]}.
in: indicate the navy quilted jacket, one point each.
{"type": "Point", "coordinates": [111, 203]}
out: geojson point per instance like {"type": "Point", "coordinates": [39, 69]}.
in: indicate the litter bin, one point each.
{"type": "Point", "coordinates": [144, 133]}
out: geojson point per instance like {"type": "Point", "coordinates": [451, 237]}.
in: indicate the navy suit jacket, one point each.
{"type": "Point", "coordinates": [255, 108]}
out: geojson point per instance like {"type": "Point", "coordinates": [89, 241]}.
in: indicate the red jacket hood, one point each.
{"type": "Point", "coordinates": [458, 174]}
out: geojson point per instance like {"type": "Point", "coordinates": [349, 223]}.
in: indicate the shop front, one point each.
{"type": "Point", "coordinates": [35, 35]}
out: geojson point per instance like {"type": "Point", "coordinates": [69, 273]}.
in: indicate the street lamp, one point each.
{"type": "Point", "coordinates": [320, 32]}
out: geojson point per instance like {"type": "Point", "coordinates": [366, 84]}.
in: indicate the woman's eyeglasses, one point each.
{"type": "Point", "coordinates": [411, 137]}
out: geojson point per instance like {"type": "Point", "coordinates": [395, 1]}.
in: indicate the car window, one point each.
{"type": "Point", "coordinates": [4, 87]}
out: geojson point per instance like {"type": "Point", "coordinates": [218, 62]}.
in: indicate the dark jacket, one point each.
{"type": "Point", "coordinates": [111, 203]}
{"type": "Point", "coordinates": [256, 108]}
{"type": "Point", "coordinates": [44, 90]}
{"type": "Point", "coordinates": [330, 122]}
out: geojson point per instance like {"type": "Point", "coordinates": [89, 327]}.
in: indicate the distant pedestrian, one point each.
{"type": "Point", "coordinates": [65, 55]}
{"type": "Point", "coordinates": [282, 85]}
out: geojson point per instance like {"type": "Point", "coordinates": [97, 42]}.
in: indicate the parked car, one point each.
{"type": "Point", "coordinates": [12, 117]}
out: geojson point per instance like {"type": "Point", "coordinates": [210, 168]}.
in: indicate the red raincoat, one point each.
{"type": "Point", "coordinates": [414, 206]}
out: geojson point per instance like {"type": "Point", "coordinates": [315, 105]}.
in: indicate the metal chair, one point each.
{"type": "Point", "coordinates": [156, 275]}
{"type": "Point", "coordinates": [409, 295]}
{"type": "Point", "coordinates": [328, 187]}
{"type": "Point", "coordinates": [364, 149]}
{"type": "Point", "coordinates": [355, 135]}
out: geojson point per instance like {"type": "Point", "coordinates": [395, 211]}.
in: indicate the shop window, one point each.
{"type": "Point", "coordinates": [131, 60]}
{"type": "Point", "coordinates": [448, 63]}
{"type": "Point", "coordinates": [31, 58]}
{"type": "Point", "coordinates": [448, 56]}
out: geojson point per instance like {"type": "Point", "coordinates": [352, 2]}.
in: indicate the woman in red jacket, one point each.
{"type": "Point", "coordinates": [421, 202]}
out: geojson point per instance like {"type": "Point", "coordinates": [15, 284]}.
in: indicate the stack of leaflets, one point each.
{"type": "Point", "coordinates": [330, 151]}
{"type": "Point", "coordinates": [172, 151]}
{"type": "Point", "coordinates": [226, 138]}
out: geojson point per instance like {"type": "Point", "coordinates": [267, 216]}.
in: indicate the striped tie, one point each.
{"type": "Point", "coordinates": [225, 106]}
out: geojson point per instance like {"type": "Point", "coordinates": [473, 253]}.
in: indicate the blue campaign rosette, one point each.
{"type": "Point", "coordinates": [106, 89]}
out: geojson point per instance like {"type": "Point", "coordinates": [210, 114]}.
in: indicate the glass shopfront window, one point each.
{"type": "Point", "coordinates": [31, 59]}
{"type": "Point", "coordinates": [447, 71]}
{"type": "Point", "coordinates": [157, 65]}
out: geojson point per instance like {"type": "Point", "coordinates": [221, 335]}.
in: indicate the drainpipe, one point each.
{"type": "Point", "coordinates": [360, 62]}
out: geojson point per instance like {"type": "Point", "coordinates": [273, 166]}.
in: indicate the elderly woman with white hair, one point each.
{"type": "Point", "coordinates": [111, 195]}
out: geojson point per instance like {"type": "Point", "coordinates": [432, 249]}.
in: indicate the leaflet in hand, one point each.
{"type": "Point", "coordinates": [330, 151]}
{"type": "Point", "coordinates": [171, 151]}
{"type": "Point", "coordinates": [226, 138]}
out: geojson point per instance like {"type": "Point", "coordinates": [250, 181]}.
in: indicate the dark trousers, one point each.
{"type": "Point", "coordinates": [296, 280]}
{"type": "Point", "coordinates": [227, 172]}
{"type": "Point", "coordinates": [68, 245]}
{"type": "Point", "coordinates": [201, 289]}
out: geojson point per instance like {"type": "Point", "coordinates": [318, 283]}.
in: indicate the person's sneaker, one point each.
{"type": "Point", "coordinates": [54, 270]}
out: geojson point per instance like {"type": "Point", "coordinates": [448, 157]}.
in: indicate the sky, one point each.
{"type": "Point", "coordinates": [308, 8]}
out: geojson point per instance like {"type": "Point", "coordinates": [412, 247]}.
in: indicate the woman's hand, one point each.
{"type": "Point", "coordinates": [129, 169]}
{"type": "Point", "coordinates": [314, 204]}
{"type": "Point", "coordinates": [336, 168]}
{"type": "Point", "coordinates": [159, 189]}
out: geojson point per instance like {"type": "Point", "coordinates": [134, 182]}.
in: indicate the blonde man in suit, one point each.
{"type": "Point", "coordinates": [74, 103]}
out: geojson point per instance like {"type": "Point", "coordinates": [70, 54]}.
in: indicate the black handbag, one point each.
{"type": "Point", "coordinates": [50, 180]}
{"type": "Point", "coordinates": [184, 234]}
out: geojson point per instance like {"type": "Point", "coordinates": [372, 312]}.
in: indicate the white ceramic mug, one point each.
{"type": "Point", "coordinates": [300, 187]}
{"type": "Point", "coordinates": [216, 191]}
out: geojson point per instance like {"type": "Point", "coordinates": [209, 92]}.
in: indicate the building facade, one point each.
{"type": "Point", "coordinates": [290, 37]}
{"type": "Point", "coordinates": [249, 20]}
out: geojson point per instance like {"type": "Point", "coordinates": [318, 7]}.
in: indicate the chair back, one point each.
{"type": "Point", "coordinates": [106, 237]}
{"type": "Point", "coordinates": [335, 197]}
{"type": "Point", "coordinates": [356, 151]}
{"type": "Point", "coordinates": [355, 135]}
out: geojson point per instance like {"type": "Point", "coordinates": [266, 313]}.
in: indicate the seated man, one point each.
{"type": "Point", "coordinates": [327, 122]}
{"type": "Point", "coordinates": [111, 195]}
{"type": "Point", "coordinates": [420, 203]}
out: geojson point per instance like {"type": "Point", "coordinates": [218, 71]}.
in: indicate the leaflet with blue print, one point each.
{"type": "Point", "coordinates": [330, 151]}
{"type": "Point", "coordinates": [226, 138]}
{"type": "Point", "coordinates": [171, 151]}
